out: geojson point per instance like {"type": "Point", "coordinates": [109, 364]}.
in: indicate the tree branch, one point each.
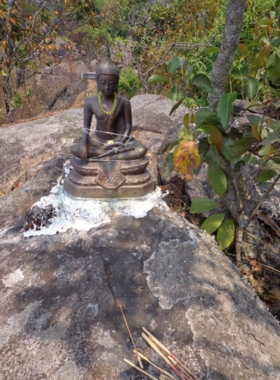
{"type": "Point", "coordinates": [222, 65]}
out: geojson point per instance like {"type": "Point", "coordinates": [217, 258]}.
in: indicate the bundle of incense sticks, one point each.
{"type": "Point", "coordinates": [179, 368]}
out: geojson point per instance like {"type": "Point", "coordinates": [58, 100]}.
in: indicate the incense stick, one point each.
{"type": "Point", "coordinates": [157, 367]}
{"type": "Point", "coordinates": [161, 354]}
{"type": "Point", "coordinates": [140, 370]}
{"type": "Point", "coordinates": [170, 356]}
{"type": "Point", "coordinates": [128, 329]}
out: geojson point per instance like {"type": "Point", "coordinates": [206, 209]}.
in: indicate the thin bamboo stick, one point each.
{"type": "Point", "coordinates": [140, 369]}
{"type": "Point", "coordinates": [170, 355]}
{"type": "Point", "coordinates": [129, 332]}
{"type": "Point", "coordinates": [161, 354]}
{"type": "Point", "coordinates": [157, 367]}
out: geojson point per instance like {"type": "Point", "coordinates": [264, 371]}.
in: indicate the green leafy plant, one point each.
{"type": "Point", "coordinates": [226, 151]}
{"type": "Point", "coordinates": [184, 85]}
{"type": "Point", "coordinates": [255, 72]}
{"type": "Point", "coordinates": [129, 83]}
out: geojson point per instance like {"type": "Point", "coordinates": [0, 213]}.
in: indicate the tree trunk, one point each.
{"type": "Point", "coordinates": [7, 89]}
{"type": "Point", "coordinates": [220, 70]}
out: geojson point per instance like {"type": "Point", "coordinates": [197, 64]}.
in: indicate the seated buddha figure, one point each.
{"type": "Point", "coordinates": [111, 139]}
{"type": "Point", "coordinates": [108, 162]}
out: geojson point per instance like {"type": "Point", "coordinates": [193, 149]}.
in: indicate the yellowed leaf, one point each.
{"type": "Point", "coordinates": [256, 132]}
{"type": "Point", "coordinates": [243, 49]}
{"type": "Point", "coordinates": [186, 158]}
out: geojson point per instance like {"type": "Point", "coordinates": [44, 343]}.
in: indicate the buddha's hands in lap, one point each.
{"type": "Point", "coordinates": [114, 145]}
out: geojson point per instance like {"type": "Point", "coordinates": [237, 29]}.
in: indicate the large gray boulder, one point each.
{"type": "Point", "coordinates": [60, 317]}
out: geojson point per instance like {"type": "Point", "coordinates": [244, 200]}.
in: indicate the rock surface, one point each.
{"type": "Point", "coordinates": [60, 317]}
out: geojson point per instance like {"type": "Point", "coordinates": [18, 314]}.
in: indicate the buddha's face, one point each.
{"type": "Point", "coordinates": [107, 84]}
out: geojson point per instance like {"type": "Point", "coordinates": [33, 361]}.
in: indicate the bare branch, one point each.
{"type": "Point", "coordinates": [259, 205]}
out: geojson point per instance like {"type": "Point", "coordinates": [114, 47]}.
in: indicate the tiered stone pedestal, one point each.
{"type": "Point", "coordinates": [109, 179]}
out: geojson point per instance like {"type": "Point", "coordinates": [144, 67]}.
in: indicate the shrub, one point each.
{"type": "Point", "coordinates": [129, 83]}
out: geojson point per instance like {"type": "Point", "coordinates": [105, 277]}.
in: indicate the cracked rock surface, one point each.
{"type": "Point", "coordinates": [60, 294]}
{"type": "Point", "coordinates": [59, 314]}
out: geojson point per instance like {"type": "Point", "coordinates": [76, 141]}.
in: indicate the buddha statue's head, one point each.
{"type": "Point", "coordinates": [107, 75]}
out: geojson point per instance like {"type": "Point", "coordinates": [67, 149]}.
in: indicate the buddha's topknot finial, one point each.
{"type": "Point", "coordinates": [106, 66]}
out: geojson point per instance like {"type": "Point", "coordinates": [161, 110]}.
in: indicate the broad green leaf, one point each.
{"type": "Point", "coordinates": [247, 157]}
{"type": "Point", "coordinates": [202, 81]}
{"type": "Point", "coordinates": [239, 165]}
{"type": "Point", "coordinates": [240, 147]}
{"type": "Point", "coordinates": [174, 93]}
{"type": "Point", "coordinates": [254, 68]}
{"type": "Point", "coordinates": [226, 234]}
{"type": "Point", "coordinates": [254, 119]}
{"type": "Point", "coordinates": [173, 109]}
{"type": "Point", "coordinates": [227, 143]}
{"type": "Point", "coordinates": [168, 166]}
{"type": "Point", "coordinates": [251, 86]}
{"type": "Point", "coordinates": [271, 61]}
{"type": "Point", "coordinates": [265, 175]}
{"type": "Point", "coordinates": [273, 64]}
{"type": "Point", "coordinates": [212, 157]}
{"type": "Point", "coordinates": [215, 135]}
{"type": "Point", "coordinates": [237, 75]}
{"type": "Point", "coordinates": [218, 180]}
{"type": "Point", "coordinates": [224, 108]}
{"type": "Point", "coordinates": [186, 120]}
{"type": "Point", "coordinates": [202, 205]}
{"type": "Point", "coordinates": [212, 223]}
{"type": "Point", "coordinates": [206, 116]}
{"type": "Point", "coordinates": [274, 74]}
{"type": "Point", "coordinates": [272, 136]}
{"type": "Point", "coordinates": [254, 44]}
{"type": "Point", "coordinates": [244, 69]}
{"type": "Point", "coordinates": [186, 158]}
{"type": "Point", "coordinates": [185, 135]}
{"type": "Point", "coordinates": [203, 145]}
{"type": "Point", "coordinates": [275, 42]}
{"type": "Point", "coordinates": [264, 151]}
{"type": "Point", "coordinates": [156, 78]}
{"type": "Point", "coordinates": [174, 65]}
{"type": "Point", "coordinates": [211, 50]}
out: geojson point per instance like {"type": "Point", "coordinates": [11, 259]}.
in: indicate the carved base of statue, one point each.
{"type": "Point", "coordinates": [109, 179]}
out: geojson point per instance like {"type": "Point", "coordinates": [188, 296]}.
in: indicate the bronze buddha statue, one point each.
{"type": "Point", "coordinates": [108, 162]}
